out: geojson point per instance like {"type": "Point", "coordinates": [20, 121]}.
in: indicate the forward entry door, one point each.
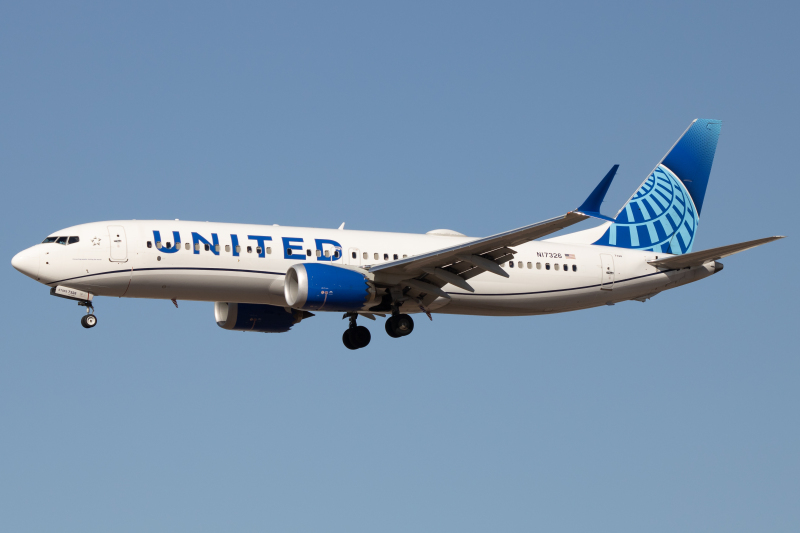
{"type": "Point", "coordinates": [607, 275]}
{"type": "Point", "coordinates": [119, 244]}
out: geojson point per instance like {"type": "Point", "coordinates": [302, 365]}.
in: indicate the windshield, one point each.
{"type": "Point", "coordinates": [49, 239]}
{"type": "Point", "coordinates": [61, 240]}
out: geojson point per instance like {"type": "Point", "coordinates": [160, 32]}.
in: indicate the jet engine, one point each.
{"type": "Point", "coordinates": [257, 317]}
{"type": "Point", "coordinates": [320, 287]}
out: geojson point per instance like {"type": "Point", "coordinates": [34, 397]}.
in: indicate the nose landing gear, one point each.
{"type": "Point", "coordinates": [355, 336]}
{"type": "Point", "coordinates": [88, 320]}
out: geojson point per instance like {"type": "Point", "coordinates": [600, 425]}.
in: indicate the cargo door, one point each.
{"type": "Point", "coordinates": [607, 274]}
{"type": "Point", "coordinates": [119, 244]}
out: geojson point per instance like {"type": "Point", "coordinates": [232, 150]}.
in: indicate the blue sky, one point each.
{"type": "Point", "coordinates": [676, 414]}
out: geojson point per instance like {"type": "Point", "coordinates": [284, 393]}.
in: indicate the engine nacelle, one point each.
{"type": "Point", "coordinates": [320, 287]}
{"type": "Point", "coordinates": [256, 317]}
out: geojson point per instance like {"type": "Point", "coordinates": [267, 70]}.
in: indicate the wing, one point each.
{"type": "Point", "coordinates": [425, 274]}
{"type": "Point", "coordinates": [696, 259]}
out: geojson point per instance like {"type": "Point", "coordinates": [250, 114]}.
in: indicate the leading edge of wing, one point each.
{"type": "Point", "coordinates": [513, 237]}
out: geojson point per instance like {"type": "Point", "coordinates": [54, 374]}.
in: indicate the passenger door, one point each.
{"type": "Point", "coordinates": [607, 274]}
{"type": "Point", "coordinates": [119, 244]}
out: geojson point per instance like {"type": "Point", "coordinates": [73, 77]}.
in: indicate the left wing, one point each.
{"type": "Point", "coordinates": [456, 264]}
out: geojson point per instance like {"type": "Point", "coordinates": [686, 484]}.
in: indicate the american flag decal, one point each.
{"type": "Point", "coordinates": [569, 256]}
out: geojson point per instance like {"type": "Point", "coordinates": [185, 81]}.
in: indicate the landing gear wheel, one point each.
{"type": "Point", "coordinates": [346, 340]}
{"type": "Point", "coordinates": [357, 337]}
{"type": "Point", "coordinates": [399, 326]}
{"type": "Point", "coordinates": [361, 336]}
{"type": "Point", "coordinates": [89, 321]}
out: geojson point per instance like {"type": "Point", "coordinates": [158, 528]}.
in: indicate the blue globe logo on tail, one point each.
{"type": "Point", "coordinates": [660, 217]}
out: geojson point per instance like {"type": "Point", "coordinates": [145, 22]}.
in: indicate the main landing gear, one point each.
{"type": "Point", "coordinates": [399, 325]}
{"type": "Point", "coordinates": [88, 320]}
{"type": "Point", "coordinates": [355, 336]}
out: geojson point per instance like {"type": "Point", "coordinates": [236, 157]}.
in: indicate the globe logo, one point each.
{"type": "Point", "coordinates": [660, 217]}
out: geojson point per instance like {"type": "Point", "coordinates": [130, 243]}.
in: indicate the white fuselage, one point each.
{"type": "Point", "coordinates": [113, 259]}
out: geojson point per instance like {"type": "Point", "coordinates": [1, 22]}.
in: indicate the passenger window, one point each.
{"type": "Point", "coordinates": [149, 244]}
{"type": "Point", "coordinates": [385, 257]}
{"type": "Point", "coordinates": [208, 248]}
{"type": "Point", "coordinates": [376, 257]}
{"type": "Point", "coordinates": [555, 266]}
{"type": "Point", "coordinates": [574, 268]}
{"type": "Point", "coordinates": [511, 264]}
{"type": "Point", "coordinates": [530, 265]}
{"type": "Point", "coordinates": [197, 247]}
{"type": "Point", "coordinates": [328, 254]}
{"type": "Point", "coordinates": [396, 256]}
{"type": "Point", "coordinates": [73, 240]}
{"type": "Point", "coordinates": [238, 249]}
{"type": "Point", "coordinates": [62, 240]}
{"type": "Point", "coordinates": [547, 266]}
{"type": "Point", "coordinates": [216, 247]}
{"type": "Point", "coordinates": [337, 254]}
{"type": "Point", "coordinates": [308, 253]}
{"type": "Point", "coordinates": [269, 249]}
{"type": "Point", "coordinates": [49, 240]}
{"type": "Point", "coordinates": [366, 255]}
{"type": "Point", "coordinates": [355, 255]}
{"type": "Point", "coordinates": [319, 253]}
{"type": "Point", "coordinates": [169, 246]}
{"type": "Point", "coordinates": [404, 256]}
{"type": "Point", "coordinates": [158, 245]}
{"type": "Point", "coordinates": [258, 250]}
{"type": "Point", "coordinates": [188, 246]}
{"type": "Point", "coordinates": [566, 268]}
{"type": "Point", "coordinates": [288, 250]}
{"type": "Point", "coordinates": [519, 264]}
{"type": "Point", "coordinates": [250, 250]}
{"type": "Point", "coordinates": [227, 247]}
{"type": "Point", "coordinates": [538, 266]}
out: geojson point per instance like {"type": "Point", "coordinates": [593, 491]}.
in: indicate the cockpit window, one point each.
{"type": "Point", "coordinates": [62, 240]}
{"type": "Point", "coordinates": [49, 239]}
{"type": "Point", "coordinates": [73, 240]}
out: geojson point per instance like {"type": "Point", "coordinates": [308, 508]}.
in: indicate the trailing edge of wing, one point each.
{"type": "Point", "coordinates": [698, 258]}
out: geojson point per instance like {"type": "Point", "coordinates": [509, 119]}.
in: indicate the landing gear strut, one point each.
{"type": "Point", "coordinates": [88, 320]}
{"type": "Point", "coordinates": [355, 336]}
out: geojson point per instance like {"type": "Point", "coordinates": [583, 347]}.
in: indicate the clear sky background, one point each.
{"type": "Point", "coordinates": [679, 414]}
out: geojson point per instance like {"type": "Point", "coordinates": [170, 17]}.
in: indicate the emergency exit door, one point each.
{"type": "Point", "coordinates": [607, 274]}
{"type": "Point", "coordinates": [119, 244]}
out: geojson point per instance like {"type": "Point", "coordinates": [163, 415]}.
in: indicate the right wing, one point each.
{"type": "Point", "coordinates": [425, 274]}
{"type": "Point", "coordinates": [696, 259]}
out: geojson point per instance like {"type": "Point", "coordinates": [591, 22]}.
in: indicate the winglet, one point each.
{"type": "Point", "coordinates": [591, 206]}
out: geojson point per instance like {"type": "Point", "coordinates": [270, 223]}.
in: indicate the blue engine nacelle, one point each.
{"type": "Point", "coordinates": [256, 317]}
{"type": "Point", "coordinates": [320, 287]}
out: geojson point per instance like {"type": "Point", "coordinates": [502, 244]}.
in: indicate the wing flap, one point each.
{"type": "Point", "coordinates": [696, 259]}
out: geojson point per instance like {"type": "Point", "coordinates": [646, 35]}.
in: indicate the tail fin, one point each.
{"type": "Point", "coordinates": [663, 214]}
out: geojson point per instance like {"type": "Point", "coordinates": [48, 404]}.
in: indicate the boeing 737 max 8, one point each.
{"type": "Point", "coordinates": [268, 278]}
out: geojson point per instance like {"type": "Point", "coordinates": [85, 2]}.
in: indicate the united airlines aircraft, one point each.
{"type": "Point", "coordinates": [269, 278]}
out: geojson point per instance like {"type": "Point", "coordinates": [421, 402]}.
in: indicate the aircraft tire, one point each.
{"type": "Point", "coordinates": [346, 339]}
{"type": "Point", "coordinates": [89, 321]}
{"type": "Point", "coordinates": [403, 325]}
{"type": "Point", "coordinates": [390, 329]}
{"type": "Point", "coordinates": [361, 336]}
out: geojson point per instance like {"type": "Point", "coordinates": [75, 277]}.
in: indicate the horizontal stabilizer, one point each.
{"type": "Point", "coordinates": [696, 259]}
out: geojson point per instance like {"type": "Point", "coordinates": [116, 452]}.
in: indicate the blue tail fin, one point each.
{"type": "Point", "coordinates": [663, 215]}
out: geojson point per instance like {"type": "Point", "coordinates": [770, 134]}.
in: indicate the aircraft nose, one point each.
{"type": "Point", "coordinates": [27, 262]}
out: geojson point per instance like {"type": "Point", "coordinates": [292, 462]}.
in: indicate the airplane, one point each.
{"type": "Point", "coordinates": [268, 278]}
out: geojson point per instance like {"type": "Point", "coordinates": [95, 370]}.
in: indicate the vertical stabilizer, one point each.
{"type": "Point", "coordinates": [664, 213]}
